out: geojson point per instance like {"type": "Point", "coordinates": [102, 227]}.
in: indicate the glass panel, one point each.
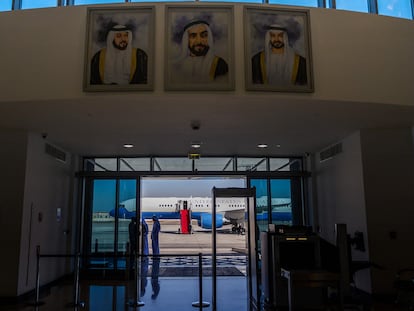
{"type": "Point", "coordinates": [261, 202]}
{"type": "Point", "coordinates": [135, 164]}
{"type": "Point", "coordinates": [173, 164]}
{"type": "Point", "coordinates": [396, 8]}
{"type": "Point", "coordinates": [5, 5]}
{"type": "Point", "coordinates": [328, 4]}
{"type": "Point", "coordinates": [34, 4]}
{"type": "Point", "coordinates": [285, 164]}
{"type": "Point", "coordinates": [280, 190]}
{"type": "Point", "coordinates": [103, 224]}
{"type": "Point", "coordinates": [279, 164]}
{"type": "Point", "coordinates": [162, 0]}
{"type": "Point", "coordinates": [81, 2]}
{"type": "Point", "coordinates": [99, 165]}
{"type": "Point", "coordinates": [353, 5]}
{"type": "Point", "coordinates": [127, 210]}
{"type": "Point", "coordinates": [311, 3]}
{"type": "Point", "coordinates": [214, 164]}
{"type": "Point", "coordinates": [251, 164]}
{"type": "Point", "coordinates": [261, 216]}
{"type": "Point", "coordinates": [242, 1]}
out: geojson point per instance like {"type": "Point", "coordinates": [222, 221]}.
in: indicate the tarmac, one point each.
{"type": "Point", "coordinates": [198, 241]}
{"type": "Point", "coordinates": [230, 249]}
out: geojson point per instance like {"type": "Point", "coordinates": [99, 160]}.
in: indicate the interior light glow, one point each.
{"type": "Point", "coordinates": [128, 145]}
{"type": "Point", "coordinates": [262, 145]}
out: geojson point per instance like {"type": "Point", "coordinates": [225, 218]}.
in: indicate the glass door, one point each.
{"type": "Point", "coordinates": [100, 225]}
{"type": "Point", "coordinates": [109, 206]}
{"type": "Point", "coordinates": [279, 202]}
{"type": "Point", "coordinates": [127, 207]}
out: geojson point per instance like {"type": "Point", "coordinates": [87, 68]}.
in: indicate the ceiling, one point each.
{"type": "Point", "coordinates": [99, 124]}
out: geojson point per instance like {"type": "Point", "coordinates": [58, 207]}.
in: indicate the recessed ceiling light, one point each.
{"type": "Point", "coordinates": [196, 145]}
{"type": "Point", "coordinates": [262, 145]}
{"type": "Point", "coordinates": [128, 145]}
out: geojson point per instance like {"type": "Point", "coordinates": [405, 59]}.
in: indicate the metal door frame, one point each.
{"type": "Point", "coordinates": [250, 194]}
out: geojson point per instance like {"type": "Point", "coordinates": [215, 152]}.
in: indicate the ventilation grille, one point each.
{"type": "Point", "coordinates": [330, 152]}
{"type": "Point", "coordinates": [55, 152]}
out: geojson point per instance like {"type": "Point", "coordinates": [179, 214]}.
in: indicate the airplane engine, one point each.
{"type": "Point", "coordinates": [206, 221]}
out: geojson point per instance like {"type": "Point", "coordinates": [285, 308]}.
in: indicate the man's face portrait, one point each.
{"type": "Point", "coordinates": [121, 40]}
{"type": "Point", "coordinates": [277, 39]}
{"type": "Point", "coordinates": [198, 40]}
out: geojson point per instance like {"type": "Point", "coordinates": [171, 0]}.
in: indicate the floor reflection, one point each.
{"type": "Point", "coordinates": [177, 294]}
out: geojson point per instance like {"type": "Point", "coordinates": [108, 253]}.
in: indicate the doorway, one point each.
{"type": "Point", "coordinates": [111, 203]}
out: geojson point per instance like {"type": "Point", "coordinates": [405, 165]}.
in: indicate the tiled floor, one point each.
{"type": "Point", "coordinates": [164, 293]}
{"type": "Point", "coordinates": [170, 293]}
{"type": "Point", "coordinates": [171, 285]}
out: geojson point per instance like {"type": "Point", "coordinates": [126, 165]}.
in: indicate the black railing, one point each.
{"type": "Point", "coordinates": [133, 261]}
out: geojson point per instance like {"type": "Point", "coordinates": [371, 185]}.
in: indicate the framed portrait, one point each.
{"type": "Point", "coordinates": [277, 50]}
{"type": "Point", "coordinates": [199, 48]}
{"type": "Point", "coordinates": [119, 49]}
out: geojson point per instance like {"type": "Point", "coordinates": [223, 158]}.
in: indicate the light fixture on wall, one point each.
{"type": "Point", "coordinates": [262, 146]}
{"type": "Point", "coordinates": [128, 145]}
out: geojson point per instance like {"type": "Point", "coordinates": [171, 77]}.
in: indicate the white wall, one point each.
{"type": "Point", "coordinates": [369, 187]}
{"type": "Point", "coordinates": [13, 159]}
{"type": "Point", "coordinates": [341, 199]}
{"type": "Point", "coordinates": [47, 186]}
{"type": "Point", "coordinates": [33, 183]}
{"type": "Point", "coordinates": [45, 55]}
{"type": "Point", "coordinates": [388, 167]}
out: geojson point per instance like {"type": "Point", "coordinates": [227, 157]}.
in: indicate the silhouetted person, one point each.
{"type": "Point", "coordinates": [154, 277]}
{"type": "Point", "coordinates": [156, 228]}
{"type": "Point", "coordinates": [133, 233]}
{"type": "Point", "coordinates": [144, 272]}
{"type": "Point", "coordinates": [144, 237]}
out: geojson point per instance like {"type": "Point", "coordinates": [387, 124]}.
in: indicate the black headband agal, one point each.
{"type": "Point", "coordinates": [120, 28]}
{"type": "Point", "coordinates": [276, 27]}
{"type": "Point", "coordinates": [196, 22]}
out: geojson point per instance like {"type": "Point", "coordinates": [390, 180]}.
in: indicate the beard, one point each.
{"type": "Point", "coordinates": [277, 44]}
{"type": "Point", "coordinates": [199, 49]}
{"type": "Point", "coordinates": [121, 46]}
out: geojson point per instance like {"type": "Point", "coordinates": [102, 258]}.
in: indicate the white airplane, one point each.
{"type": "Point", "coordinates": [228, 210]}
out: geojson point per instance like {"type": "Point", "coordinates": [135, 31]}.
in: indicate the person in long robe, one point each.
{"type": "Point", "coordinates": [278, 64]}
{"type": "Point", "coordinates": [156, 228]}
{"type": "Point", "coordinates": [119, 62]}
{"type": "Point", "coordinates": [198, 62]}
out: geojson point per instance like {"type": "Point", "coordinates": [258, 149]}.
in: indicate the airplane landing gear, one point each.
{"type": "Point", "coordinates": [238, 229]}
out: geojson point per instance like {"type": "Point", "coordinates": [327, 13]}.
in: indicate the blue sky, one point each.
{"type": "Point", "coordinates": [186, 187]}
{"type": "Point", "coordinates": [397, 8]}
